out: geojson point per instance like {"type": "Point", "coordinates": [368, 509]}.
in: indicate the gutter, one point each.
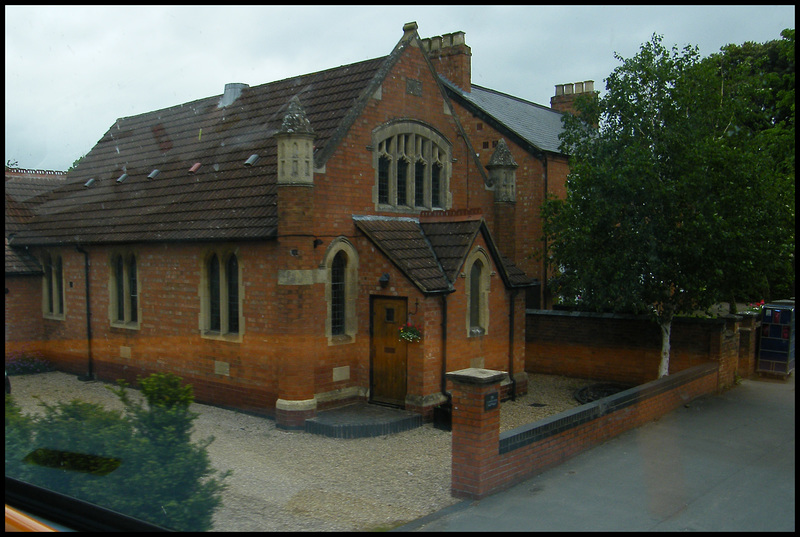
{"type": "Point", "coordinates": [90, 368]}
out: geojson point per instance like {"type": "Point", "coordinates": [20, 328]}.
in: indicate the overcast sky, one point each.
{"type": "Point", "coordinates": [72, 71]}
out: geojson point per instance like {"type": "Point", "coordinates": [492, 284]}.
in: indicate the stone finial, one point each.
{"type": "Point", "coordinates": [295, 120]}
{"type": "Point", "coordinates": [502, 175]}
{"type": "Point", "coordinates": [502, 156]}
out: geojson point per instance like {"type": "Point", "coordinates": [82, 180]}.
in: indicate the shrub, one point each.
{"type": "Point", "coordinates": [140, 462]}
{"type": "Point", "coordinates": [27, 365]}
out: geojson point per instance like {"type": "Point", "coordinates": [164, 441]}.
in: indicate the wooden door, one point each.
{"type": "Point", "coordinates": [388, 378]}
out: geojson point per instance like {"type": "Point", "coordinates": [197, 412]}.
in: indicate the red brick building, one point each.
{"type": "Point", "coordinates": [24, 190]}
{"type": "Point", "coordinates": [267, 245]}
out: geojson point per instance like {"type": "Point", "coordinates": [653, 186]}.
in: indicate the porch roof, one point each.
{"type": "Point", "coordinates": [431, 250]}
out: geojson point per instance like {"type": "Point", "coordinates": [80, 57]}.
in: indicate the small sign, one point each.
{"type": "Point", "coordinates": [491, 400]}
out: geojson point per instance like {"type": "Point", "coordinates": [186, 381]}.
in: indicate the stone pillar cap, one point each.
{"type": "Point", "coordinates": [476, 376]}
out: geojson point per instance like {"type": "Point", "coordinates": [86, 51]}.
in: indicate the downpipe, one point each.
{"type": "Point", "coordinates": [90, 366]}
{"type": "Point", "coordinates": [511, 316]}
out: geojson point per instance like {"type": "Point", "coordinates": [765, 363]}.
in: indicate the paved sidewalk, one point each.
{"type": "Point", "coordinates": [724, 463]}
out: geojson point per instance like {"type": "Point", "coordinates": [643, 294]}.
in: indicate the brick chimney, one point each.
{"type": "Point", "coordinates": [564, 99]}
{"type": "Point", "coordinates": [451, 57]}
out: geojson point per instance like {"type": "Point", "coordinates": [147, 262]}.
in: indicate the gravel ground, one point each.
{"type": "Point", "coordinates": [294, 481]}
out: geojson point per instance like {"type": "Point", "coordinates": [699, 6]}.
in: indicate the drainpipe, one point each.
{"type": "Point", "coordinates": [511, 344]}
{"type": "Point", "coordinates": [543, 286]}
{"type": "Point", "coordinates": [444, 347]}
{"type": "Point", "coordinates": [90, 370]}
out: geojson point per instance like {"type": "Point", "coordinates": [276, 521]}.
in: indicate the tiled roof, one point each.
{"type": "Point", "coordinates": [402, 240]}
{"type": "Point", "coordinates": [223, 199]}
{"type": "Point", "coordinates": [20, 263]}
{"type": "Point", "coordinates": [24, 190]}
{"type": "Point", "coordinates": [431, 250]}
{"type": "Point", "coordinates": [535, 124]}
{"type": "Point", "coordinates": [30, 185]}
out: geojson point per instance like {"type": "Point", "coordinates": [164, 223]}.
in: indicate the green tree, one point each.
{"type": "Point", "coordinates": [752, 112]}
{"type": "Point", "coordinates": [141, 462]}
{"type": "Point", "coordinates": [664, 198]}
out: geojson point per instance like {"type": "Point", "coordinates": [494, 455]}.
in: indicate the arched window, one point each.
{"type": "Point", "coordinates": [124, 306]}
{"type": "Point", "coordinates": [232, 277]}
{"type": "Point", "coordinates": [214, 316]}
{"type": "Point", "coordinates": [341, 291]}
{"type": "Point", "coordinates": [133, 292]}
{"type": "Point", "coordinates": [222, 301]}
{"type": "Point", "coordinates": [383, 179]}
{"type": "Point", "coordinates": [419, 183]}
{"type": "Point", "coordinates": [53, 283]}
{"type": "Point", "coordinates": [402, 182]}
{"type": "Point", "coordinates": [338, 275]}
{"type": "Point", "coordinates": [119, 287]}
{"type": "Point", "coordinates": [475, 295]}
{"type": "Point", "coordinates": [412, 163]}
{"type": "Point", "coordinates": [477, 289]}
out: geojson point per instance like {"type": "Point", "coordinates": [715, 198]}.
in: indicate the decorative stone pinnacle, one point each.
{"type": "Point", "coordinates": [295, 120]}
{"type": "Point", "coordinates": [502, 156]}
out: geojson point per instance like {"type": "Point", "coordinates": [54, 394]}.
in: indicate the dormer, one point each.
{"type": "Point", "coordinates": [295, 147]}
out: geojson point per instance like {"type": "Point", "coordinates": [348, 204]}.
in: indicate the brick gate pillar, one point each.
{"type": "Point", "coordinates": [475, 430]}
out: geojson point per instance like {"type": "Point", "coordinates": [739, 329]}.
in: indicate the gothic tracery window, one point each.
{"type": "Point", "coordinates": [412, 162]}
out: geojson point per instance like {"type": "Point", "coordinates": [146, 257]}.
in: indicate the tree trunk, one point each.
{"type": "Point", "coordinates": [666, 329]}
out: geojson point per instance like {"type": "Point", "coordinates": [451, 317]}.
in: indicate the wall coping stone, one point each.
{"type": "Point", "coordinates": [477, 376]}
{"type": "Point", "coordinates": [563, 421]}
{"type": "Point", "coordinates": [599, 315]}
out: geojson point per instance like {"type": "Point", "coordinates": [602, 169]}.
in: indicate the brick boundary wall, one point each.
{"type": "Point", "coordinates": [484, 461]}
{"type": "Point", "coordinates": [627, 348]}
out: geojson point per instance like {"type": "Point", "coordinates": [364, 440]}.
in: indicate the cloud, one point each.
{"type": "Point", "coordinates": [72, 71]}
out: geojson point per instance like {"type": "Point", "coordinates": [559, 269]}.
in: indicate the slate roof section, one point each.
{"type": "Point", "coordinates": [223, 199]}
{"type": "Point", "coordinates": [431, 250]}
{"type": "Point", "coordinates": [536, 125]}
